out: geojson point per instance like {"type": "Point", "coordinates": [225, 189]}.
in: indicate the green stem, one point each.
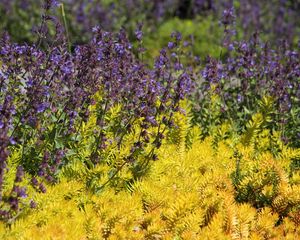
{"type": "Point", "coordinates": [63, 14]}
{"type": "Point", "coordinates": [112, 177]}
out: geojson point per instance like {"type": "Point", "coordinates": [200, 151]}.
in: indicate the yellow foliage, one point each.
{"type": "Point", "coordinates": [202, 195]}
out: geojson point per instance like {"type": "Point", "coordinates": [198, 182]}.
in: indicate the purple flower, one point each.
{"type": "Point", "coordinates": [186, 43]}
{"type": "Point", "coordinates": [239, 98]}
{"type": "Point", "coordinates": [49, 4]}
{"type": "Point", "coordinates": [4, 214]}
{"type": "Point", "coordinates": [19, 174]}
{"type": "Point", "coordinates": [173, 55]}
{"type": "Point", "coordinates": [177, 36]}
{"type": "Point", "coordinates": [33, 204]}
{"type": "Point", "coordinates": [41, 173]}
{"type": "Point", "coordinates": [14, 203]}
{"type": "Point", "coordinates": [151, 120]}
{"type": "Point", "coordinates": [139, 32]}
{"type": "Point", "coordinates": [228, 16]}
{"type": "Point", "coordinates": [230, 47]}
{"type": "Point", "coordinates": [22, 192]}
{"type": "Point", "coordinates": [42, 107]}
{"type": "Point", "coordinates": [67, 68]}
{"type": "Point", "coordinates": [34, 182]}
{"type": "Point", "coordinates": [96, 29]}
{"type": "Point", "coordinates": [119, 48]}
{"type": "Point", "coordinates": [171, 45]}
{"type": "Point", "coordinates": [42, 188]}
{"type": "Point", "coordinates": [29, 83]}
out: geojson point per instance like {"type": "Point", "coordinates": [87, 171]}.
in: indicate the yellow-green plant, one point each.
{"type": "Point", "coordinates": [190, 197]}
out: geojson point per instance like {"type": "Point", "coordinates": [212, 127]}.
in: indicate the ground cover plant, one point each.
{"type": "Point", "coordinates": [123, 120]}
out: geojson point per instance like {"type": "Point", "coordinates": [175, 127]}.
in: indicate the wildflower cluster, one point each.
{"type": "Point", "coordinates": [275, 19]}
{"type": "Point", "coordinates": [47, 96]}
{"type": "Point", "coordinates": [251, 70]}
{"type": "Point", "coordinates": [80, 100]}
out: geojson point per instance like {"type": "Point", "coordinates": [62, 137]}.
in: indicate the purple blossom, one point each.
{"type": "Point", "coordinates": [228, 16]}
{"type": "Point", "coordinates": [139, 32]}
{"type": "Point", "coordinates": [34, 182]}
{"type": "Point", "coordinates": [120, 50]}
{"type": "Point", "coordinates": [19, 174]}
{"type": "Point", "coordinates": [171, 45]}
{"type": "Point", "coordinates": [42, 107]}
{"type": "Point", "coordinates": [49, 4]}
{"type": "Point", "coordinates": [33, 204]}
{"type": "Point", "coordinates": [239, 98]}
{"type": "Point", "coordinates": [42, 188]}
{"type": "Point", "coordinates": [178, 66]}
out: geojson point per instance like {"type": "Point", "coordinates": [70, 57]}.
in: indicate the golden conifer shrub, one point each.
{"type": "Point", "coordinates": [228, 193]}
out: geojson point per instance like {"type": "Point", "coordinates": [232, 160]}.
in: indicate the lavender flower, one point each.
{"type": "Point", "coordinates": [19, 174]}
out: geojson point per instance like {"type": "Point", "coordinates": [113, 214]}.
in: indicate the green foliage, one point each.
{"type": "Point", "coordinates": [18, 22]}
{"type": "Point", "coordinates": [293, 125]}
{"type": "Point", "coordinates": [207, 35]}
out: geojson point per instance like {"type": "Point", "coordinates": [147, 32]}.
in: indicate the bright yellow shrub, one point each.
{"type": "Point", "coordinates": [207, 194]}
